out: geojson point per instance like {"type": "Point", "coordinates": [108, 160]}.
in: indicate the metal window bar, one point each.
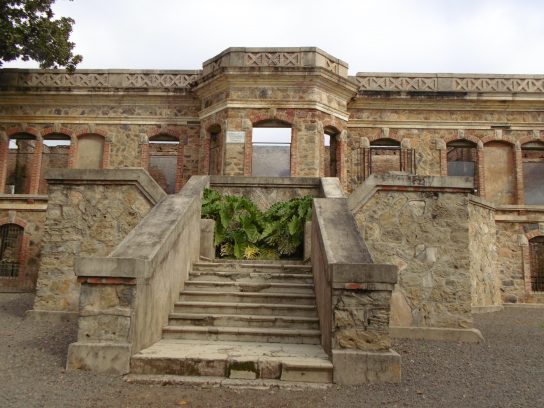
{"type": "Point", "coordinates": [10, 245]}
{"type": "Point", "coordinates": [537, 265]}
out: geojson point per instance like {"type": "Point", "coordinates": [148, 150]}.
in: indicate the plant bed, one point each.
{"type": "Point", "coordinates": [242, 231]}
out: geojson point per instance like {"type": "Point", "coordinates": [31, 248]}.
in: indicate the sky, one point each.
{"type": "Point", "coordinates": [450, 36]}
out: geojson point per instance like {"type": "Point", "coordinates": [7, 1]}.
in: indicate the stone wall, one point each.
{"type": "Point", "coordinates": [87, 214]}
{"type": "Point", "coordinates": [265, 191]}
{"type": "Point", "coordinates": [425, 232]}
{"type": "Point", "coordinates": [510, 267]}
{"type": "Point", "coordinates": [485, 283]}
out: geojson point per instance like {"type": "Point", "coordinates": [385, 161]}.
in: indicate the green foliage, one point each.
{"type": "Point", "coordinates": [245, 232]}
{"type": "Point", "coordinates": [28, 31]}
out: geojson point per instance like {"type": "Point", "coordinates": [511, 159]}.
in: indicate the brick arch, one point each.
{"type": "Point", "coordinates": [285, 116]}
{"type": "Point", "coordinates": [17, 221]}
{"type": "Point", "coordinates": [505, 139]}
{"type": "Point", "coordinates": [453, 138]}
{"type": "Point", "coordinates": [172, 132]}
{"type": "Point", "coordinates": [89, 131]}
{"type": "Point", "coordinates": [533, 234]}
{"type": "Point", "coordinates": [28, 130]}
{"type": "Point", "coordinates": [529, 139]}
{"type": "Point", "coordinates": [61, 131]}
{"type": "Point", "coordinates": [372, 138]}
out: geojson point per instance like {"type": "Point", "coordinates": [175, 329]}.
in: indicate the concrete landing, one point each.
{"type": "Point", "coordinates": [235, 360]}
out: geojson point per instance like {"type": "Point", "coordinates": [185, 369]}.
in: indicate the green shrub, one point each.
{"type": "Point", "coordinates": [244, 232]}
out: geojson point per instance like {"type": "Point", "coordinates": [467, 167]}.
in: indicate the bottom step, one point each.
{"type": "Point", "coordinates": [234, 360]}
{"type": "Point", "coordinates": [152, 379]}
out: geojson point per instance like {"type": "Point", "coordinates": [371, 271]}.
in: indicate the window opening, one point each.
{"type": "Point", "coordinates": [163, 161]}
{"type": "Point", "coordinates": [215, 152]}
{"type": "Point", "coordinates": [536, 246]}
{"type": "Point", "coordinates": [19, 167]}
{"type": "Point", "coordinates": [331, 143]}
{"type": "Point", "coordinates": [55, 155]}
{"type": "Point", "coordinates": [271, 151]}
{"type": "Point", "coordinates": [10, 248]}
{"type": "Point", "coordinates": [533, 172]}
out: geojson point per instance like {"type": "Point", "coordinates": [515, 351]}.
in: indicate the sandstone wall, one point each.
{"type": "Point", "coordinates": [510, 267]}
{"type": "Point", "coordinates": [85, 216]}
{"type": "Point", "coordinates": [485, 283]}
{"type": "Point", "coordinates": [426, 234]}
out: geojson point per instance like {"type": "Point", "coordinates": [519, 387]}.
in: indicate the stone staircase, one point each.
{"type": "Point", "coordinates": [240, 321]}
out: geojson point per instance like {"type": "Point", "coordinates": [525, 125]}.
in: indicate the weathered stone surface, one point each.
{"type": "Point", "coordinates": [353, 367]}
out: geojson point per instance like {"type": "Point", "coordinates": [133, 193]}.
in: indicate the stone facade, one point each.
{"type": "Point", "coordinates": [110, 118]}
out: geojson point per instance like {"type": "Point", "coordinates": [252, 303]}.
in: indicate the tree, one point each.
{"type": "Point", "coordinates": [28, 31]}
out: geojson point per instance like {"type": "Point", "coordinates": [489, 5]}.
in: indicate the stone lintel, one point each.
{"type": "Point", "coordinates": [99, 357]}
{"type": "Point", "coordinates": [136, 176]}
{"type": "Point", "coordinates": [354, 367]}
{"type": "Point", "coordinates": [437, 333]}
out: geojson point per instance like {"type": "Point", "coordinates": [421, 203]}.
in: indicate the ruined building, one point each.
{"type": "Point", "coordinates": [438, 207]}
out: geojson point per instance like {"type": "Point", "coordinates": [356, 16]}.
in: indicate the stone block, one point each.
{"type": "Point", "coordinates": [437, 333]}
{"type": "Point", "coordinates": [353, 367]}
{"type": "Point", "coordinates": [99, 357]}
{"type": "Point", "coordinates": [207, 248]}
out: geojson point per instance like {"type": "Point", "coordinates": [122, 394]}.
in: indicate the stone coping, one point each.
{"type": "Point", "coordinates": [331, 187]}
{"type": "Point", "coordinates": [437, 334]}
{"type": "Point", "coordinates": [438, 82]}
{"type": "Point", "coordinates": [270, 182]}
{"type": "Point", "coordinates": [23, 197]}
{"type": "Point", "coordinates": [134, 175]}
{"type": "Point", "coordinates": [407, 182]}
{"type": "Point", "coordinates": [137, 256]}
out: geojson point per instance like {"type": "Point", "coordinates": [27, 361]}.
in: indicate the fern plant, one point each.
{"type": "Point", "coordinates": [244, 232]}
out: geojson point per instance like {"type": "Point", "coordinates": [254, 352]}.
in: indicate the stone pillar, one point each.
{"type": "Point", "coordinates": [36, 162]}
{"type": "Point", "coordinates": [4, 149]}
{"type": "Point", "coordinates": [308, 143]}
{"type": "Point", "coordinates": [237, 147]}
{"type": "Point", "coordinates": [518, 163]}
{"type": "Point", "coordinates": [89, 212]}
{"type": "Point", "coordinates": [480, 165]}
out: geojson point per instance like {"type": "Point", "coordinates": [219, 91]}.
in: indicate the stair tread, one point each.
{"type": "Point", "coordinates": [240, 316]}
{"type": "Point", "coordinates": [245, 305]}
{"type": "Point", "coordinates": [296, 354]}
{"type": "Point", "coordinates": [251, 284]}
{"type": "Point", "coordinates": [243, 330]}
{"type": "Point", "coordinates": [250, 294]}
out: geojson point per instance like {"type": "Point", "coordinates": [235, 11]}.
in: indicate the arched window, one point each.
{"type": "Point", "coordinates": [533, 172]}
{"type": "Point", "coordinates": [19, 163]}
{"type": "Point", "coordinates": [331, 150]}
{"type": "Point", "coordinates": [90, 151]}
{"type": "Point", "coordinates": [536, 246]}
{"type": "Point", "coordinates": [163, 161]}
{"type": "Point", "coordinates": [271, 149]}
{"type": "Point", "coordinates": [11, 237]}
{"type": "Point", "coordinates": [55, 155]}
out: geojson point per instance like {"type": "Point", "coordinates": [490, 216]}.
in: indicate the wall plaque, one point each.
{"type": "Point", "coordinates": [236, 137]}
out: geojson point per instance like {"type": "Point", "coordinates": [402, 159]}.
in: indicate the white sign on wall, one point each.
{"type": "Point", "coordinates": [236, 137]}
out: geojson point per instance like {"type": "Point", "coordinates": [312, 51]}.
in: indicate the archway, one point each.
{"type": "Point", "coordinates": [271, 149]}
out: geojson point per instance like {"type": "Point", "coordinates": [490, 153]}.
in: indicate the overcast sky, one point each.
{"type": "Point", "coordinates": [469, 36]}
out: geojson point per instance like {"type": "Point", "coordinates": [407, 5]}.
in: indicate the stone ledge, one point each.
{"type": "Point", "coordinates": [352, 273]}
{"type": "Point", "coordinates": [487, 309]}
{"type": "Point", "coordinates": [331, 187]}
{"type": "Point", "coordinates": [437, 334]}
{"type": "Point", "coordinates": [354, 367]}
{"type": "Point", "coordinates": [524, 305]}
{"type": "Point", "coordinates": [135, 176]}
{"type": "Point", "coordinates": [269, 182]}
{"type": "Point", "coordinates": [99, 357]}
{"type": "Point", "coordinates": [51, 316]}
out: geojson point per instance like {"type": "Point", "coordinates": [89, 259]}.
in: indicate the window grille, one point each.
{"type": "Point", "coordinates": [10, 247]}
{"type": "Point", "coordinates": [536, 246]}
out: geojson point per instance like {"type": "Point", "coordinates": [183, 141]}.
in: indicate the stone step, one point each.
{"type": "Point", "coordinates": [246, 287]}
{"type": "Point", "coordinates": [237, 320]}
{"type": "Point", "coordinates": [248, 297]}
{"type": "Point", "coordinates": [252, 267]}
{"type": "Point", "coordinates": [257, 277]}
{"type": "Point", "coordinates": [246, 308]}
{"type": "Point", "coordinates": [253, 334]}
{"type": "Point", "coordinates": [234, 360]}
